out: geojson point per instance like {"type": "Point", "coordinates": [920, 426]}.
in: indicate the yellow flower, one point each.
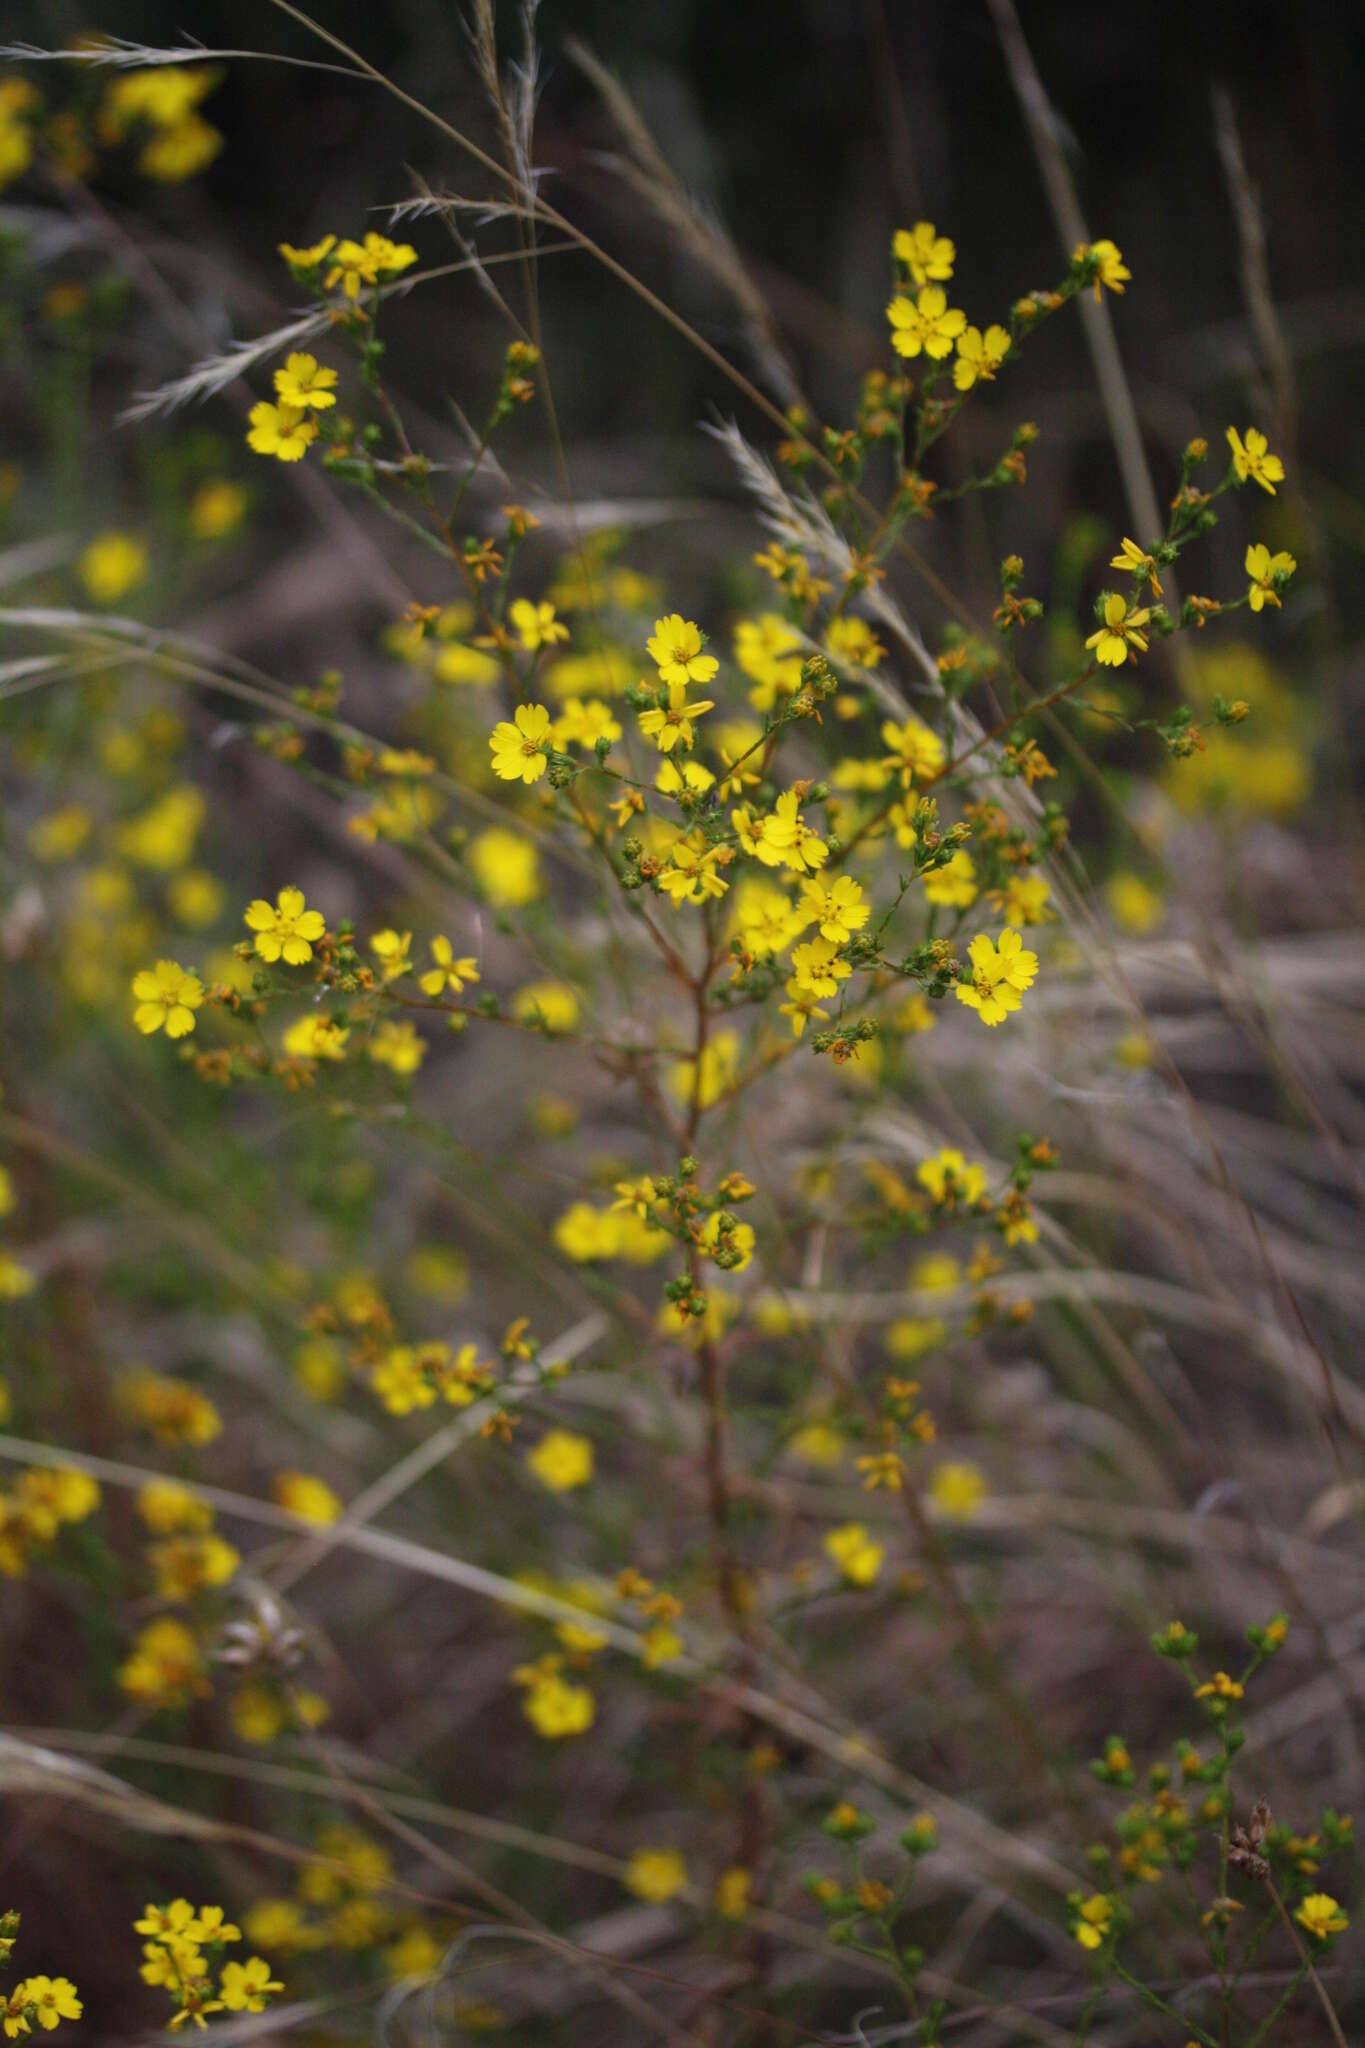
{"type": "Point", "coordinates": [1094, 1919]}
{"type": "Point", "coordinates": [1112, 273]}
{"type": "Point", "coordinates": [303, 1495]}
{"type": "Point", "coordinates": [951, 1181]}
{"type": "Point", "coordinates": [389, 256]}
{"type": "Point", "coordinates": [257, 1714]}
{"type": "Point", "coordinates": [676, 778]}
{"type": "Point", "coordinates": [1220, 1687]}
{"type": "Point", "coordinates": [217, 508]}
{"type": "Point", "coordinates": [659, 1646]}
{"type": "Point", "coordinates": [1001, 970]}
{"type": "Point", "coordinates": [173, 1923]}
{"type": "Point", "coordinates": [957, 1490]}
{"type": "Point", "coordinates": [162, 96]}
{"type": "Point", "coordinates": [1264, 569]}
{"type": "Point", "coordinates": [186, 1565]}
{"type": "Point", "coordinates": [163, 835]}
{"type": "Point", "coordinates": [656, 1874]}
{"type": "Point", "coordinates": [855, 1553]}
{"type": "Point", "coordinates": [1024, 899]}
{"type": "Point", "coordinates": [180, 150]}
{"type": "Point", "coordinates": [800, 1007]}
{"type": "Point", "coordinates": [673, 727]}
{"type": "Point", "coordinates": [1138, 563]}
{"type": "Point", "coordinates": [536, 625]}
{"type": "Point", "coordinates": [246, 1986]}
{"type": "Point", "coordinates": [112, 565]}
{"type": "Point", "coordinates": [50, 1498]}
{"type": "Point", "coordinates": [1122, 630]}
{"type": "Point", "coordinates": [215, 1926]}
{"type": "Point", "coordinates": [60, 834]}
{"type": "Point", "coordinates": [816, 1443]}
{"type": "Point", "coordinates": [195, 898]}
{"type": "Point", "coordinates": [276, 1923]}
{"type": "Point", "coordinates": [733, 1890]}
{"type": "Point", "coordinates": [768, 651]}
{"type": "Point", "coordinates": [690, 876]}
{"type": "Point", "coordinates": [316, 1038]}
{"type": "Point", "coordinates": [352, 267]}
{"type": "Point", "coordinates": [602, 672]}
{"type": "Point", "coordinates": [561, 1461]}
{"type": "Point", "coordinates": [391, 949]}
{"type": "Point", "coordinates": [781, 837]}
{"type": "Point", "coordinates": [583, 1233]}
{"type": "Point", "coordinates": [172, 1411]}
{"type": "Point", "coordinates": [1251, 458]}
{"type": "Point", "coordinates": [556, 1709]}
{"type": "Point", "coordinates": [853, 640]}
{"type": "Point", "coordinates": [1136, 905]}
{"type": "Point", "coordinates": [519, 747]}
{"type": "Point", "coordinates": [399, 1047]}
{"type": "Point", "coordinates": [926, 255]}
{"type": "Point", "coordinates": [284, 431]}
{"type": "Point", "coordinates": [839, 908]}
{"type": "Point", "coordinates": [306, 259]}
{"type": "Point", "coordinates": [553, 1005]}
{"type": "Point", "coordinates": [167, 997]}
{"type": "Point", "coordinates": [583, 724]}
{"type": "Point", "coordinates": [459, 664]}
{"type": "Point", "coordinates": [306, 383]}
{"type": "Point", "coordinates": [817, 968]}
{"type": "Point", "coordinates": [586, 1233]}
{"type": "Point", "coordinates": [915, 1015]}
{"type": "Point", "coordinates": [506, 867]}
{"type": "Point", "coordinates": [717, 1074]}
{"type": "Point", "coordinates": [53, 1999]}
{"type": "Point", "coordinates": [762, 916]}
{"type": "Point", "coordinates": [979, 356]}
{"type": "Point", "coordinates": [165, 1667]}
{"type": "Point", "coordinates": [954, 884]}
{"type": "Point", "coordinates": [676, 647]}
{"type": "Point", "coordinates": [1321, 1915]}
{"type": "Point", "coordinates": [448, 971]}
{"type": "Point", "coordinates": [288, 931]}
{"type": "Point", "coordinates": [415, 1953]}
{"type": "Point", "coordinates": [928, 322]}
{"type": "Point", "coordinates": [915, 750]}
{"type": "Point", "coordinates": [403, 1380]}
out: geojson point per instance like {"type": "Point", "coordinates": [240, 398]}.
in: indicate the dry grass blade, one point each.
{"type": "Point", "coordinates": [649, 174]}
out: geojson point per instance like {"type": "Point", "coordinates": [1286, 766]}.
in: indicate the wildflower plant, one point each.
{"type": "Point", "coordinates": [591, 1068]}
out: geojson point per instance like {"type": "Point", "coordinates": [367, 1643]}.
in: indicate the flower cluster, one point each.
{"type": "Point", "coordinates": [183, 1953]}
{"type": "Point", "coordinates": [42, 2002]}
{"type": "Point", "coordinates": [34, 1511]}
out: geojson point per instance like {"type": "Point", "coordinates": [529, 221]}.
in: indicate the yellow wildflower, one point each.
{"type": "Point", "coordinates": [286, 930]}
{"type": "Point", "coordinates": [927, 322]}
{"type": "Point", "coordinates": [167, 997]}
{"type": "Point", "coordinates": [1251, 458]}
{"type": "Point", "coordinates": [519, 747]}
{"type": "Point", "coordinates": [1001, 970]}
{"type": "Point", "coordinates": [306, 384]}
{"type": "Point", "coordinates": [284, 431]}
{"type": "Point", "coordinates": [1264, 569]}
{"type": "Point", "coordinates": [561, 1461]}
{"type": "Point", "coordinates": [854, 1552]}
{"type": "Point", "coordinates": [1121, 632]}
{"type": "Point", "coordinates": [656, 1874]}
{"type": "Point", "coordinates": [979, 356]}
{"type": "Point", "coordinates": [927, 255]}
